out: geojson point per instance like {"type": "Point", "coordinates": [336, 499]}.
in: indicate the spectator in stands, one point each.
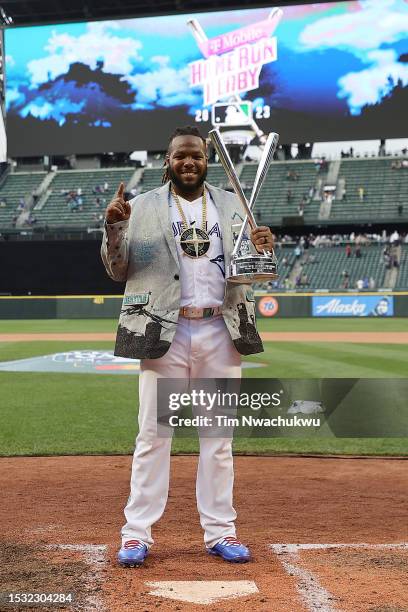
{"type": "Point", "coordinates": [346, 279]}
{"type": "Point", "coordinates": [301, 209]}
{"type": "Point", "coordinates": [3, 202]}
{"type": "Point", "coordinates": [21, 204]}
{"type": "Point", "coordinates": [291, 175]}
{"type": "Point", "coordinates": [400, 209]}
{"type": "Point", "coordinates": [304, 280]}
{"type": "Point", "coordinates": [361, 193]}
{"type": "Point", "coordinates": [371, 283]}
{"type": "Point", "coordinates": [105, 186]}
{"type": "Point", "coordinates": [398, 165]}
{"type": "Point", "coordinates": [358, 251]}
{"type": "Point", "coordinates": [366, 282]}
{"type": "Point", "coordinates": [311, 192]}
{"type": "Point", "coordinates": [71, 195]}
{"type": "Point", "coordinates": [394, 261]}
{"type": "Point", "coordinates": [79, 191]}
{"type": "Point", "coordinates": [31, 220]}
{"type": "Point", "coordinates": [298, 280]}
{"type": "Point", "coordinates": [97, 189]}
{"type": "Point", "coordinates": [297, 252]}
{"type": "Point", "coordinates": [289, 196]}
{"type": "Point", "coordinates": [348, 250]}
{"type": "Point", "coordinates": [360, 284]}
{"type": "Point", "coordinates": [351, 152]}
{"type": "Point", "coordinates": [305, 248]}
{"type": "Point", "coordinates": [97, 202]}
{"type": "Point", "coordinates": [395, 238]}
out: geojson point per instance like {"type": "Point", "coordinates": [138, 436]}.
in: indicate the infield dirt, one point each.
{"type": "Point", "coordinates": [79, 500]}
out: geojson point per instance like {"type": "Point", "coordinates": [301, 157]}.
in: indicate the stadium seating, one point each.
{"type": "Point", "coordinates": [17, 185]}
{"type": "Point", "coordinates": [56, 211]}
{"type": "Point", "coordinates": [402, 278]}
{"type": "Point", "coordinates": [330, 262]}
{"type": "Point", "coordinates": [384, 188]}
{"type": "Point", "coordinates": [273, 203]}
{"type": "Point", "coordinates": [151, 178]}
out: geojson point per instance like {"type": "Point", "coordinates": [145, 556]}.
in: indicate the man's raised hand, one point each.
{"type": "Point", "coordinates": [118, 209]}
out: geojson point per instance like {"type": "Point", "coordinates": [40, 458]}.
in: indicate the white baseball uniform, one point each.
{"type": "Point", "coordinates": [201, 348]}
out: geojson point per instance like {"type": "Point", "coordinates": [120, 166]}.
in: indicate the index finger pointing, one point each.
{"type": "Point", "coordinates": [120, 190]}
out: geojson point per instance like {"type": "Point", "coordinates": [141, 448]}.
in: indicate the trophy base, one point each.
{"type": "Point", "coordinates": [252, 269]}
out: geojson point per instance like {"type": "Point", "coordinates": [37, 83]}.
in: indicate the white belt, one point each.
{"type": "Point", "coordinates": [189, 312]}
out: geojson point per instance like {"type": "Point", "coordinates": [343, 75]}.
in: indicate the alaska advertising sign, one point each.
{"type": "Point", "coordinates": [353, 306]}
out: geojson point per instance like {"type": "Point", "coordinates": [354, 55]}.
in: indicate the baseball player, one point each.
{"type": "Point", "coordinates": [172, 246]}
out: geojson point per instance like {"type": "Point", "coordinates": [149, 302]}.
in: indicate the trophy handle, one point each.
{"type": "Point", "coordinates": [267, 157]}
{"type": "Point", "coordinates": [225, 160]}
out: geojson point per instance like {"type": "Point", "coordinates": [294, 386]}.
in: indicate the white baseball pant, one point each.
{"type": "Point", "coordinates": [201, 348]}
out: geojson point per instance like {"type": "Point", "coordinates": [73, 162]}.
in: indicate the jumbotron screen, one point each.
{"type": "Point", "coordinates": [312, 72]}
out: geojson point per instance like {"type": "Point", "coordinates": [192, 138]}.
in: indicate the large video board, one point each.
{"type": "Point", "coordinates": [312, 72]}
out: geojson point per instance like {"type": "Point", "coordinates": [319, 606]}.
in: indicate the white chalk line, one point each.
{"type": "Point", "coordinates": [314, 596]}
{"type": "Point", "coordinates": [95, 557]}
{"type": "Point", "coordinates": [283, 548]}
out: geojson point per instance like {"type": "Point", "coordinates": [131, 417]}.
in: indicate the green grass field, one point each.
{"type": "Point", "coordinates": [45, 414]}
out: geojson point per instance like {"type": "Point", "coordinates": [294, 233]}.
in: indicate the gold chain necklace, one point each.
{"type": "Point", "coordinates": [194, 242]}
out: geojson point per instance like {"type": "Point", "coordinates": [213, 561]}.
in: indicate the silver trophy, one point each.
{"type": "Point", "coordinates": [244, 267]}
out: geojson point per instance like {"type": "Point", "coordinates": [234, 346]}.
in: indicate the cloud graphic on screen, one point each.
{"type": "Point", "coordinates": [42, 109]}
{"type": "Point", "coordinates": [377, 22]}
{"type": "Point", "coordinates": [164, 86]}
{"type": "Point", "coordinates": [361, 33]}
{"type": "Point", "coordinates": [372, 84]}
{"type": "Point", "coordinates": [98, 44]}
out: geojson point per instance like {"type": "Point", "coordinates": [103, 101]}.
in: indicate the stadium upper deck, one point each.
{"type": "Point", "coordinates": [350, 191]}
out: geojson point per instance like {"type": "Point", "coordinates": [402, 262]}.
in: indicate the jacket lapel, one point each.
{"type": "Point", "coordinates": [161, 205]}
{"type": "Point", "coordinates": [226, 221]}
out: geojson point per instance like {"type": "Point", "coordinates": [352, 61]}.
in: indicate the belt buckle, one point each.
{"type": "Point", "coordinates": [208, 312]}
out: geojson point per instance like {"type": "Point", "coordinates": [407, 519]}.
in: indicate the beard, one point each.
{"type": "Point", "coordinates": [189, 187]}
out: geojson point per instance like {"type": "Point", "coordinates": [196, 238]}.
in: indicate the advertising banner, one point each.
{"type": "Point", "coordinates": [353, 306]}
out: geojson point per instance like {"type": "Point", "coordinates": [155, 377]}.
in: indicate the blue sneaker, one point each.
{"type": "Point", "coordinates": [133, 553]}
{"type": "Point", "coordinates": [231, 549]}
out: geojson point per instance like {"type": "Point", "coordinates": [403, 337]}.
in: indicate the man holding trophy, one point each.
{"type": "Point", "coordinates": [188, 312]}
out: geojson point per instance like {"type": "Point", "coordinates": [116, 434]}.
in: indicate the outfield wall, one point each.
{"type": "Point", "coordinates": [278, 305]}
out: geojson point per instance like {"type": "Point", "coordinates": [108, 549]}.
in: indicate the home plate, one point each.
{"type": "Point", "coordinates": [202, 591]}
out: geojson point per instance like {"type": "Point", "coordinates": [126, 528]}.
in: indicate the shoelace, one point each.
{"type": "Point", "coordinates": [133, 544]}
{"type": "Point", "coordinates": [231, 541]}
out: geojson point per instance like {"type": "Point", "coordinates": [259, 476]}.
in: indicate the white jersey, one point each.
{"type": "Point", "coordinates": [202, 279]}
